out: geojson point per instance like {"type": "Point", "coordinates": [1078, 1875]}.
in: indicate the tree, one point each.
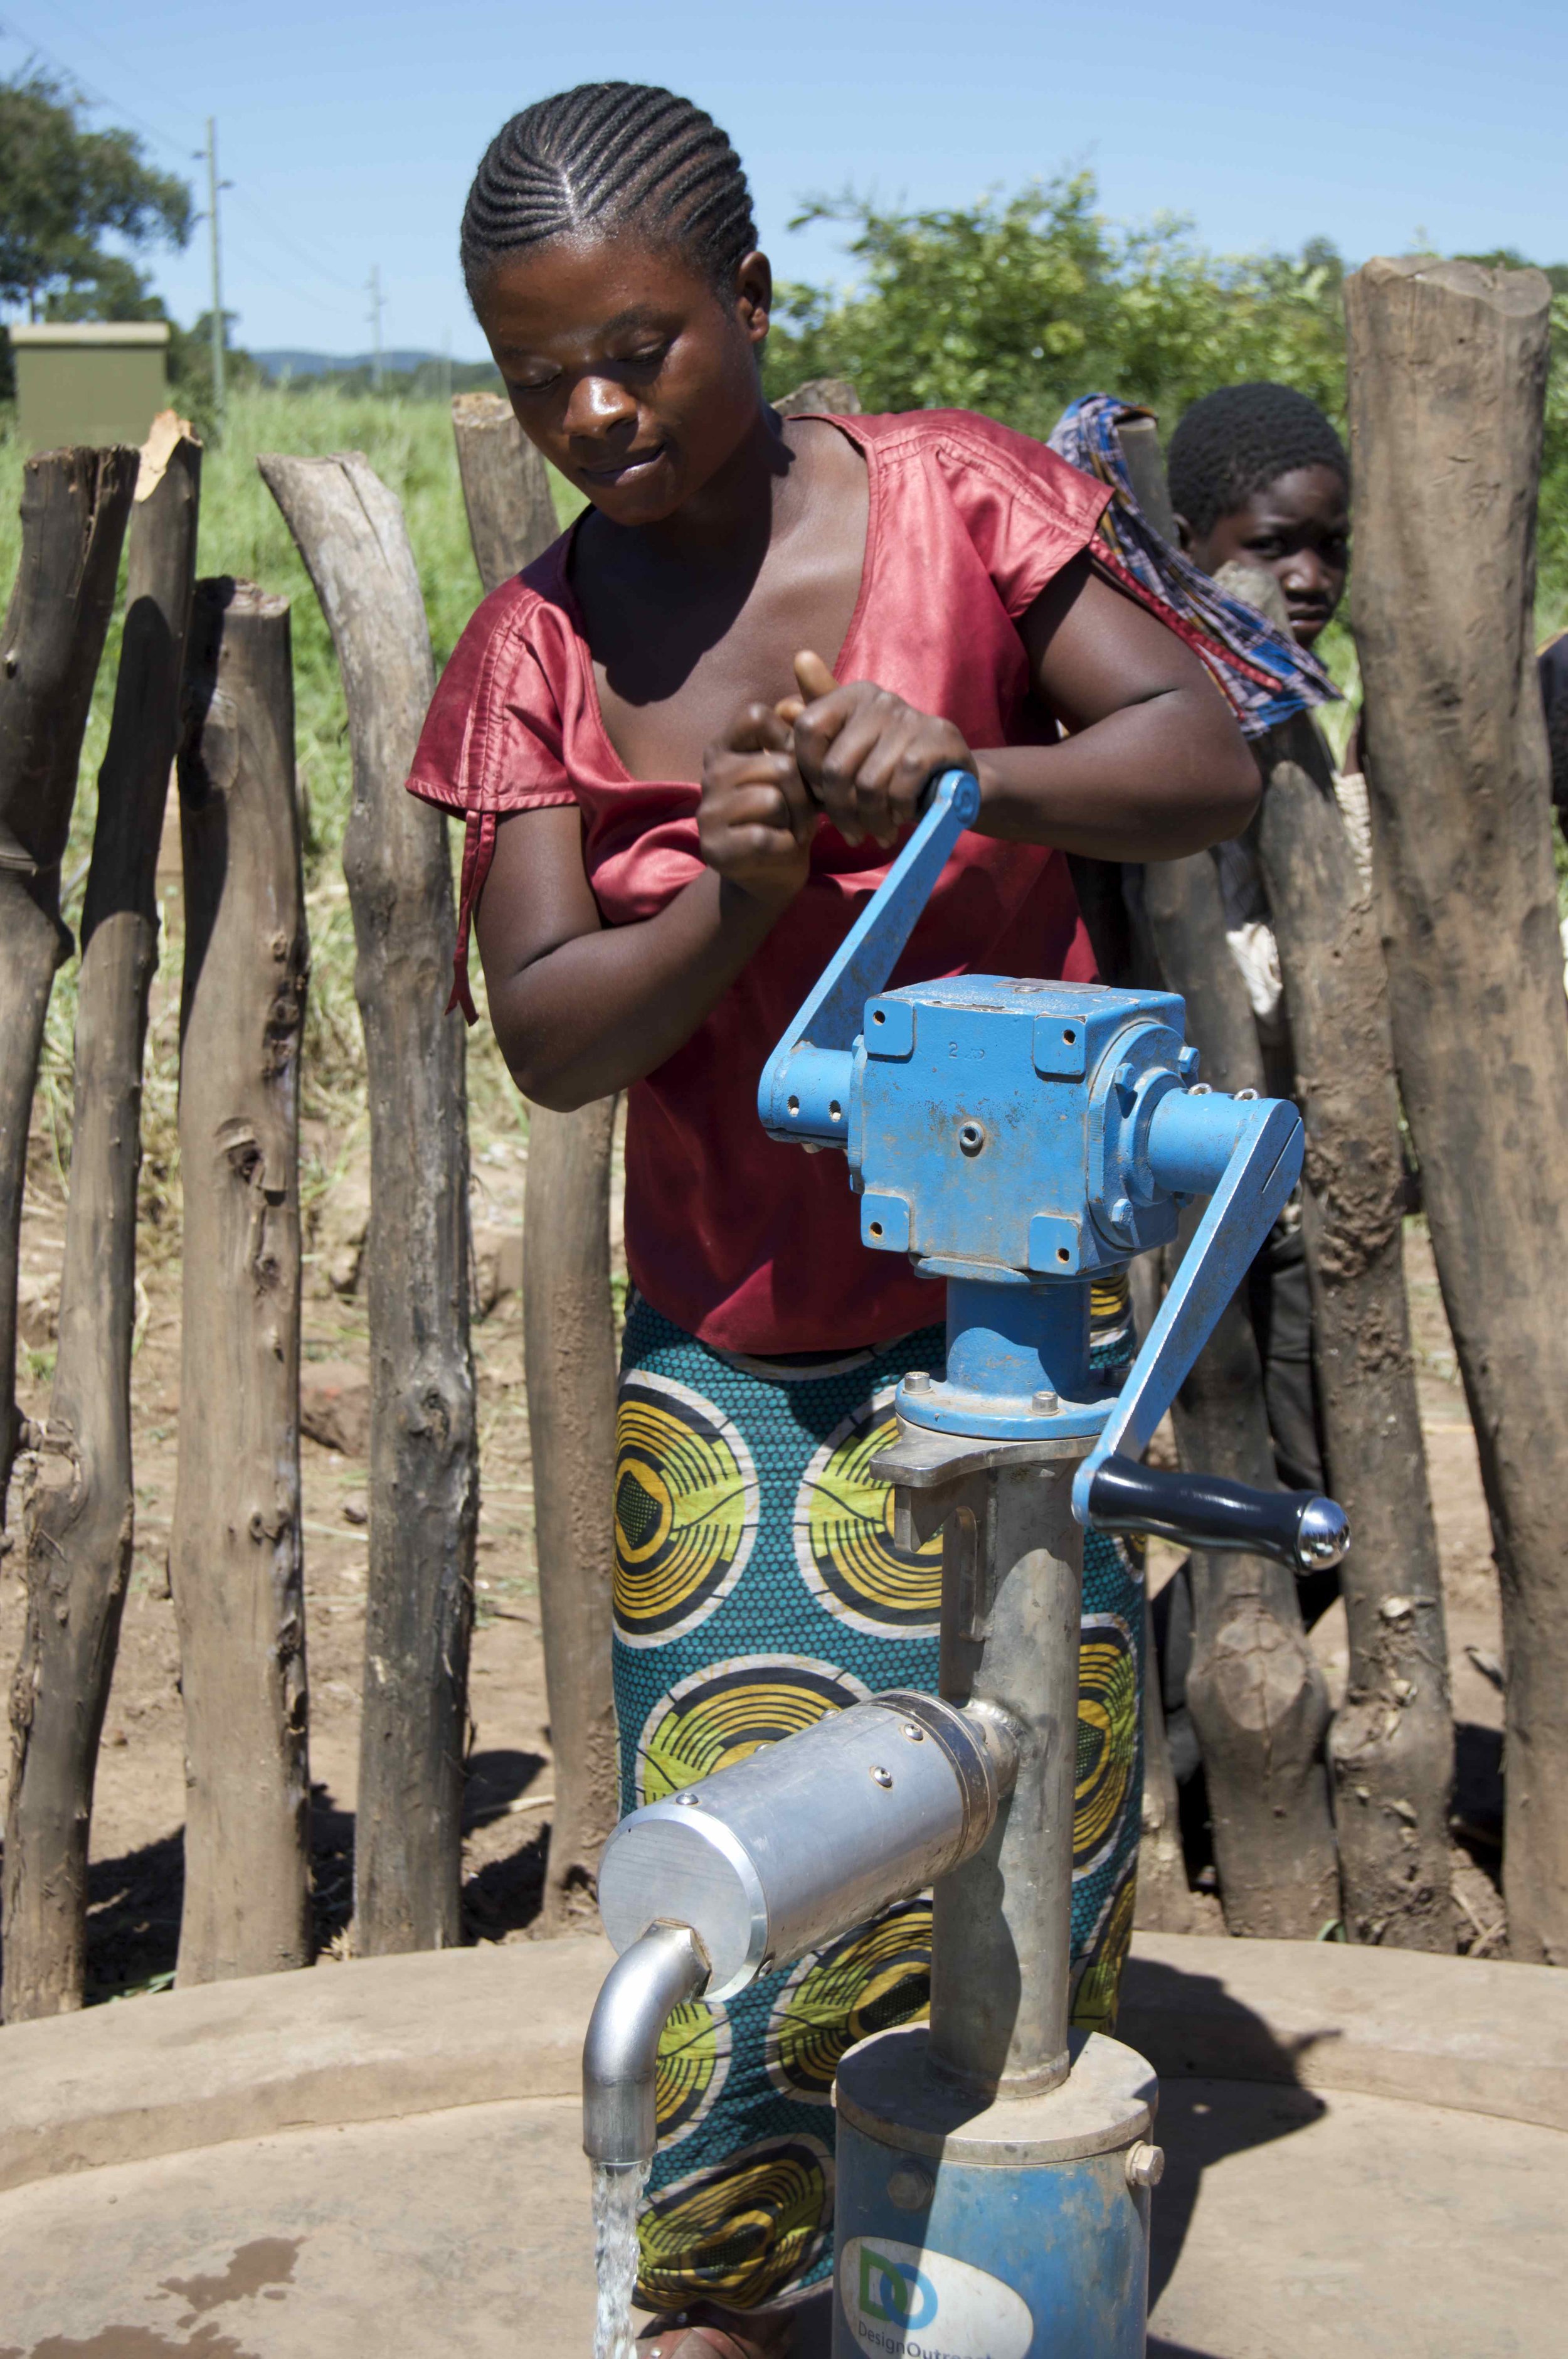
{"type": "Point", "coordinates": [1020, 302]}
{"type": "Point", "coordinates": [65, 188]}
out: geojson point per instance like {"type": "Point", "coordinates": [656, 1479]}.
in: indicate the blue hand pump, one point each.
{"type": "Point", "coordinates": [1015, 1138]}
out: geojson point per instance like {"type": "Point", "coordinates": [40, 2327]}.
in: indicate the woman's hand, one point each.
{"type": "Point", "coordinates": [755, 821]}
{"type": "Point", "coordinates": [864, 754]}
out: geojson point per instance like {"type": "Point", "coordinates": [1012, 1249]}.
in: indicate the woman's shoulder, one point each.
{"type": "Point", "coordinates": [505, 680]}
{"type": "Point", "coordinates": [1023, 511]}
{"type": "Point", "coordinates": [516, 612]}
{"type": "Point", "coordinates": [962, 440]}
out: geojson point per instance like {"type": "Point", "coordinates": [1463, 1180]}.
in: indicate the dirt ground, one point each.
{"type": "Point", "coordinates": [137, 1864]}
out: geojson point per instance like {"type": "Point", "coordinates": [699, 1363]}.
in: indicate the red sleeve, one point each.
{"type": "Point", "coordinates": [1027, 512]}
{"type": "Point", "coordinates": [491, 739]}
{"type": "Point", "coordinates": [492, 743]}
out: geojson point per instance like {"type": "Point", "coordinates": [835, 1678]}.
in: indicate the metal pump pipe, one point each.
{"type": "Point", "coordinates": [1003, 1923]}
{"type": "Point", "coordinates": [619, 2054]}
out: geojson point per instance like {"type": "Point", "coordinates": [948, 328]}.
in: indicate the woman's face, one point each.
{"type": "Point", "coordinates": [625, 367]}
{"type": "Point", "coordinates": [1298, 529]}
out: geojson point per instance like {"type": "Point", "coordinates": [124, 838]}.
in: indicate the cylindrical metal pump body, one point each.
{"type": "Point", "coordinates": [1021, 2232]}
{"type": "Point", "coordinates": [1013, 1591]}
{"type": "Point", "coordinates": [800, 1842]}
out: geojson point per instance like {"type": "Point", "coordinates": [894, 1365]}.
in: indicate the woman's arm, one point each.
{"type": "Point", "coordinates": [581, 1009]}
{"type": "Point", "coordinates": [1155, 765]}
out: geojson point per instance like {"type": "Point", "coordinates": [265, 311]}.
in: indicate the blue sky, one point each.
{"type": "Point", "coordinates": [350, 131]}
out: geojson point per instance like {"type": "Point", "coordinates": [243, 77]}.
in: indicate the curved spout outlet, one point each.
{"type": "Point", "coordinates": [663, 1966]}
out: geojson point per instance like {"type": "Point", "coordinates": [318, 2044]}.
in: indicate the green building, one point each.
{"type": "Point", "coordinates": [90, 381]}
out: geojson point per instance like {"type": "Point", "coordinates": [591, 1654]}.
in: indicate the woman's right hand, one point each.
{"type": "Point", "coordinates": [756, 821]}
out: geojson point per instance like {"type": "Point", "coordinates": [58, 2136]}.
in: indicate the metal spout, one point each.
{"type": "Point", "coordinates": [664, 1966]}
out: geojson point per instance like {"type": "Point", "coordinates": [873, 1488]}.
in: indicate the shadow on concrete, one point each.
{"type": "Point", "coordinates": [1196, 2033]}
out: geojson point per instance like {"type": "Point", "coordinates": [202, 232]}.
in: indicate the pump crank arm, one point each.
{"type": "Point", "coordinates": [1208, 1511]}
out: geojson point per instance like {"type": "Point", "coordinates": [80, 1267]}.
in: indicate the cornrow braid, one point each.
{"type": "Point", "coordinates": [1239, 439]}
{"type": "Point", "coordinates": [610, 156]}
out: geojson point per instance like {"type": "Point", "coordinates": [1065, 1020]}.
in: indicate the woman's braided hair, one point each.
{"type": "Point", "coordinates": [610, 156]}
{"type": "Point", "coordinates": [1240, 440]}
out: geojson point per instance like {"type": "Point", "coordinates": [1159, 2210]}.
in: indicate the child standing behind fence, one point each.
{"type": "Point", "coordinates": [677, 805]}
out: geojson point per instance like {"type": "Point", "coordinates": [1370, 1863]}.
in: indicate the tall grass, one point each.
{"type": "Point", "coordinates": [410, 446]}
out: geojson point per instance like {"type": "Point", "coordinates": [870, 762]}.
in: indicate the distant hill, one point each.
{"type": "Point", "coordinates": [427, 367]}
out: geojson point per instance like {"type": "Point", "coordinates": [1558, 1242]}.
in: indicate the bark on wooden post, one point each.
{"type": "Point", "coordinates": [235, 1552]}
{"type": "Point", "coordinates": [424, 1491]}
{"type": "Point", "coordinates": [568, 1334]}
{"type": "Point", "coordinates": [79, 1512]}
{"type": "Point", "coordinates": [1390, 1747]}
{"type": "Point", "coordinates": [74, 506]}
{"type": "Point", "coordinates": [1256, 1695]}
{"type": "Point", "coordinates": [1448, 367]}
{"type": "Point", "coordinates": [506, 487]}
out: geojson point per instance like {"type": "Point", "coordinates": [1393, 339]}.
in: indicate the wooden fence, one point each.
{"type": "Point", "coordinates": [1440, 987]}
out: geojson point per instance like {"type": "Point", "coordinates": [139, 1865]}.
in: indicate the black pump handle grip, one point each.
{"type": "Point", "coordinates": [1207, 1511]}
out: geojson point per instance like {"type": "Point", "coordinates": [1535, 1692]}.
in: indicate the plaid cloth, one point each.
{"type": "Point", "coordinates": [1264, 673]}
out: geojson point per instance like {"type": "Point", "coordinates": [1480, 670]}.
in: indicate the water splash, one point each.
{"type": "Point", "coordinates": [617, 2198]}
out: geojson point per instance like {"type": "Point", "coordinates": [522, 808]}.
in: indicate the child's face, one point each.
{"type": "Point", "coordinates": [626, 369]}
{"type": "Point", "coordinates": [1298, 529]}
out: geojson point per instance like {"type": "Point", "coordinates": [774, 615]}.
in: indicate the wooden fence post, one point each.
{"type": "Point", "coordinates": [424, 1448]}
{"type": "Point", "coordinates": [236, 1560]}
{"type": "Point", "coordinates": [506, 487]}
{"type": "Point", "coordinates": [79, 1509]}
{"type": "Point", "coordinates": [1448, 365]}
{"type": "Point", "coordinates": [74, 506]}
{"type": "Point", "coordinates": [1256, 1696]}
{"type": "Point", "coordinates": [568, 1333]}
{"type": "Point", "coordinates": [1391, 1747]}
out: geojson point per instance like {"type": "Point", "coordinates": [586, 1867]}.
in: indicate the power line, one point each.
{"type": "Point", "coordinates": [181, 148]}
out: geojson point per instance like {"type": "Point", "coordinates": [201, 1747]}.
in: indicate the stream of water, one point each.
{"type": "Point", "coordinates": [617, 2197]}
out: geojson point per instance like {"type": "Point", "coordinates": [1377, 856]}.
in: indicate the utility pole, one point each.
{"type": "Point", "coordinates": [213, 185]}
{"type": "Point", "coordinates": [375, 308]}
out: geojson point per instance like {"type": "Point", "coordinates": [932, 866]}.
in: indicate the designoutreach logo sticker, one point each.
{"type": "Point", "coordinates": [904, 2303]}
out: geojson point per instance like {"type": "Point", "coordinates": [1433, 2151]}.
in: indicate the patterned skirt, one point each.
{"type": "Point", "coordinates": [757, 1587]}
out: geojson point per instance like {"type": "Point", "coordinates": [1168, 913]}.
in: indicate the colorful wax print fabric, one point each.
{"type": "Point", "coordinates": [758, 1587]}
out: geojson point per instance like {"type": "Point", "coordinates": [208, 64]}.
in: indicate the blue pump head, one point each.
{"type": "Point", "coordinates": [1018, 1138]}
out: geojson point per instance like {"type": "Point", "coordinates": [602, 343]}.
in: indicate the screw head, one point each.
{"type": "Point", "coordinates": [882, 1777]}
{"type": "Point", "coordinates": [971, 1136]}
{"type": "Point", "coordinates": [688, 1802]}
{"type": "Point", "coordinates": [918, 1380]}
{"type": "Point", "coordinates": [1145, 2164]}
{"type": "Point", "coordinates": [1045, 1403]}
{"type": "Point", "coordinates": [1121, 1213]}
{"type": "Point", "coordinates": [915, 1733]}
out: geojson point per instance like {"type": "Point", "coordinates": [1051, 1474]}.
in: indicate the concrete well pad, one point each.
{"type": "Point", "coordinates": [381, 2159]}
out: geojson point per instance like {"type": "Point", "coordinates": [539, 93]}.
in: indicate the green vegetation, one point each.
{"type": "Point", "coordinates": [1011, 307]}
{"type": "Point", "coordinates": [410, 446]}
{"type": "Point", "coordinates": [1019, 303]}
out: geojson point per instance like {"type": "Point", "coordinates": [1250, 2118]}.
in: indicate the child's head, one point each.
{"type": "Point", "coordinates": [609, 254]}
{"type": "Point", "coordinates": [1257, 474]}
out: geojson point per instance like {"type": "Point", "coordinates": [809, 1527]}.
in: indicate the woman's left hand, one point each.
{"type": "Point", "coordinates": [864, 754]}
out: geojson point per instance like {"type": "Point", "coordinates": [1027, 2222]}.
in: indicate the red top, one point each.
{"type": "Point", "coordinates": [752, 1245]}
